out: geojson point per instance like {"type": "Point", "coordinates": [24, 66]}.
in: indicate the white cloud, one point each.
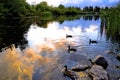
{"type": "Point", "coordinates": [55, 2]}
{"type": "Point", "coordinates": [74, 2]}
{"type": "Point", "coordinates": [92, 30]}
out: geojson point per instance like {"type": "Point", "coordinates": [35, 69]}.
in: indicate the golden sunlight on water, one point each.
{"type": "Point", "coordinates": [12, 67]}
{"type": "Point", "coordinates": [20, 65]}
{"type": "Point", "coordinates": [15, 65]}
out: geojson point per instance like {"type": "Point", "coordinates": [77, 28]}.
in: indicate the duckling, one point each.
{"type": "Point", "coordinates": [68, 73]}
{"type": "Point", "coordinates": [68, 36]}
{"type": "Point", "coordinates": [92, 41]}
{"type": "Point", "coordinates": [71, 49]}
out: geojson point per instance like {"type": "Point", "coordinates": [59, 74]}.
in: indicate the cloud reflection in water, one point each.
{"type": "Point", "coordinates": [56, 34]}
{"type": "Point", "coordinates": [45, 46]}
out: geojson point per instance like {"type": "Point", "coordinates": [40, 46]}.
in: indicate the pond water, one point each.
{"type": "Point", "coordinates": [46, 49]}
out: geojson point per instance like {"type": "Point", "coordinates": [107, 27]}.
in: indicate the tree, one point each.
{"type": "Point", "coordinates": [14, 8]}
{"type": "Point", "coordinates": [2, 11]}
{"type": "Point", "coordinates": [61, 6]}
{"type": "Point", "coordinates": [97, 9]}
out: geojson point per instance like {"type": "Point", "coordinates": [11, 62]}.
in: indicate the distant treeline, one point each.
{"type": "Point", "coordinates": [20, 8]}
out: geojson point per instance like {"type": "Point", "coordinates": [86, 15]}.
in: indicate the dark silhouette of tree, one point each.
{"type": "Point", "coordinates": [97, 9]}
{"type": "Point", "coordinates": [91, 8]}
{"type": "Point", "coordinates": [61, 6]}
{"type": "Point", "coordinates": [106, 8]}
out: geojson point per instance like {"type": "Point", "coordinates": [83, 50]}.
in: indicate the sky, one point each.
{"type": "Point", "coordinates": [77, 3]}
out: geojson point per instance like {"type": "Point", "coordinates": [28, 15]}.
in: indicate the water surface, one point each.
{"type": "Point", "coordinates": [41, 52]}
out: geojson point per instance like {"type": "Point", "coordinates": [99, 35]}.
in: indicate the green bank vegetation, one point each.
{"type": "Point", "coordinates": [20, 8]}
{"type": "Point", "coordinates": [112, 17]}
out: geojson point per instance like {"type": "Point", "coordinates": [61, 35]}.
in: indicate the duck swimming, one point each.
{"type": "Point", "coordinates": [71, 49]}
{"type": "Point", "coordinates": [92, 41]}
{"type": "Point", "coordinates": [68, 36]}
{"type": "Point", "coordinates": [68, 73]}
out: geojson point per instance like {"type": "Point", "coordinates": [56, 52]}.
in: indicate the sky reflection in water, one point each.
{"type": "Point", "coordinates": [56, 32]}
{"type": "Point", "coordinates": [51, 43]}
{"type": "Point", "coordinates": [47, 53]}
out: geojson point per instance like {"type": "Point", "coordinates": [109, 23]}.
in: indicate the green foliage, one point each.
{"type": "Point", "coordinates": [46, 14]}
{"type": "Point", "coordinates": [2, 11]}
{"type": "Point", "coordinates": [19, 8]}
{"type": "Point", "coordinates": [41, 6]}
{"type": "Point", "coordinates": [91, 9]}
{"type": "Point", "coordinates": [112, 15]}
{"type": "Point", "coordinates": [61, 6]}
{"type": "Point", "coordinates": [14, 8]}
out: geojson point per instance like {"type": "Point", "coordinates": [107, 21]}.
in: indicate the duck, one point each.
{"type": "Point", "coordinates": [92, 41]}
{"type": "Point", "coordinates": [68, 73]}
{"type": "Point", "coordinates": [71, 49]}
{"type": "Point", "coordinates": [80, 68]}
{"type": "Point", "coordinates": [68, 36]}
